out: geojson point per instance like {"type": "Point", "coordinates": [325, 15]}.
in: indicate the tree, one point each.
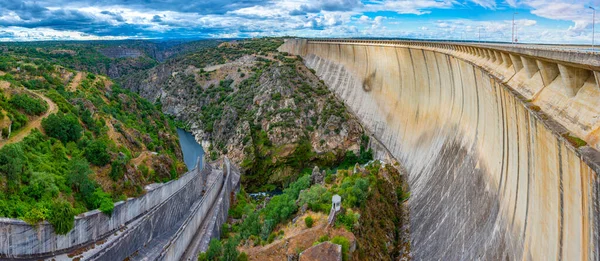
{"type": "Point", "coordinates": [29, 105]}
{"type": "Point", "coordinates": [78, 176]}
{"type": "Point", "coordinates": [12, 165]}
{"type": "Point", "coordinates": [97, 153]}
{"type": "Point", "coordinates": [215, 250]}
{"type": "Point", "coordinates": [230, 252]}
{"type": "Point", "coordinates": [62, 217]}
{"type": "Point", "coordinates": [42, 185]}
{"type": "Point", "coordinates": [64, 127]}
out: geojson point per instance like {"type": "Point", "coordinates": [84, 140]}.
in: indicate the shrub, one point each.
{"type": "Point", "coordinates": [36, 214]}
{"type": "Point", "coordinates": [117, 169]}
{"type": "Point", "coordinates": [230, 252]}
{"type": "Point", "coordinates": [250, 226]}
{"type": "Point", "coordinates": [62, 217]}
{"type": "Point", "coordinates": [340, 240]}
{"type": "Point", "coordinates": [309, 221]}
{"type": "Point", "coordinates": [64, 127]}
{"type": "Point", "coordinates": [243, 257]}
{"type": "Point", "coordinates": [215, 250]}
{"type": "Point", "coordinates": [102, 201]}
{"type": "Point", "coordinates": [347, 220]}
{"type": "Point", "coordinates": [29, 105]}
{"type": "Point", "coordinates": [313, 197]}
{"type": "Point", "coordinates": [97, 153]}
{"type": "Point", "coordinates": [12, 164]}
{"type": "Point", "coordinates": [41, 185]}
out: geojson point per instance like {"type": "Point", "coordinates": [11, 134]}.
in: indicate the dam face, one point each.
{"type": "Point", "coordinates": [480, 131]}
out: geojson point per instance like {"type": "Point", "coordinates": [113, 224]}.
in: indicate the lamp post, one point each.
{"type": "Point", "coordinates": [593, 25]}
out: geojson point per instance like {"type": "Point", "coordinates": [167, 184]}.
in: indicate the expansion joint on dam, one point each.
{"type": "Point", "coordinates": [500, 141]}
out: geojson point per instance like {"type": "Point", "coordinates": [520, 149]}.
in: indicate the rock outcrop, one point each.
{"type": "Point", "coordinates": [325, 251]}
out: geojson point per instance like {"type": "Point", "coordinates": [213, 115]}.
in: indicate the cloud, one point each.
{"type": "Point", "coordinates": [326, 5]}
{"type": "Point", "coordinates": [91, 19]}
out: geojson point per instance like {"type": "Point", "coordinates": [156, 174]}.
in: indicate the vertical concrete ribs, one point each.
{"type": "Point", "coordinates": [481, 129]}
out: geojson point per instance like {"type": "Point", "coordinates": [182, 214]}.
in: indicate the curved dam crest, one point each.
{"type": "Point", "coordinates": [478, 130]}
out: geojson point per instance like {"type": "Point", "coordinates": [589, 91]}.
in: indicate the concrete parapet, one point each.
{"type": "Point", "coordinates": [164, 218]}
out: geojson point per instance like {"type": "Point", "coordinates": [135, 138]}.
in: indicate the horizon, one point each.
{"type": "Point", "coordinates": [535, 21]}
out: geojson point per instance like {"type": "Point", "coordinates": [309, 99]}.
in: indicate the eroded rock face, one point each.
{"type": "Point", "coordinates": [325, 251]}
{"type": "Point", "coordinates": [489, 178]}
{"type": "Point", "coordinates": [288, 102]}
{"type": "Point", "coordinates": [317, 176]}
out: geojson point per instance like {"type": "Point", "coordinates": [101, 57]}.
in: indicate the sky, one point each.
{"type": "Point", "coordinates": [536, 21]}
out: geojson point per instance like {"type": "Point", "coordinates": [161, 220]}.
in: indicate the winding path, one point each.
{"type": "Point", "coordinates": [35, 123]}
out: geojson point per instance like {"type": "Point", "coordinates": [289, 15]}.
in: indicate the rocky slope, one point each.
{"type": "Point", "coordinates": [264, 110]}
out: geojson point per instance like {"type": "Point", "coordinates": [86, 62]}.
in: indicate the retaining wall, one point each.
{"type": "Point", "coordinates": [19, 239]}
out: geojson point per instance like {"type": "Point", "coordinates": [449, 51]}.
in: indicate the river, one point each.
{"type": "Point", "coordinates": [190, 148]}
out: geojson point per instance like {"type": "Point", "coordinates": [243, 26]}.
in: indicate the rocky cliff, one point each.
{"type": "Point", "coordinates": [250, 102]}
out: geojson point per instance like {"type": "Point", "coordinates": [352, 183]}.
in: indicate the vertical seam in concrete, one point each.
{"type": "Point", "coordinates": [561, 222]}
{"type": "Point", "coordinates": [584, 210]}
{"type": "Point", "coordinates": [506, 136]}
{"type": "Point", "coordinates": [412, 63]}
{"type": "Point", "coordinates": [596, 205]}
{"type": "Point", "coordinates": [427, 71]}
{"type": "Point", "coordinates": [502, 176]}
{"type": "Point", "coordinates": [529, 163]}
{"type": "Point", "coordinates": [462, 90]}
{"type": "Point", "coordinates": [399, 72]}
{"type": "Point", "coordinates": [518, 172]}
{"type": "Point", "coordinates": [452, 82]}
{"type": "Point", "coordinates": [437, 66]}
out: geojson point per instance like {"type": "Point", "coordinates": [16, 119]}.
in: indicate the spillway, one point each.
{"type": "Point", "coordinates": [488, 136]}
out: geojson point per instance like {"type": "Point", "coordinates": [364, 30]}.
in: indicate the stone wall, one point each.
{"type": "Point", "coordinates": [479, 130]}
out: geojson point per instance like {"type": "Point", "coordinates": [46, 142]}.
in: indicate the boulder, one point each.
{"type": "Point", "coordinates": [325, 251]}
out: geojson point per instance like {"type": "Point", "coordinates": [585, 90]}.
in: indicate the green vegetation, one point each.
{"type": "Point", "coordinates": [308, 221]}
{"type": "Point", "coordinates": [66, 128]}
{"type": "Point", "coordinates": [342, 241]}
{"type": "Point", "coordinates": [63, 171]}
{"type": "Point", "coordinates": [575, 141]}
{"type": "Point", "coordinates": [29, 105]}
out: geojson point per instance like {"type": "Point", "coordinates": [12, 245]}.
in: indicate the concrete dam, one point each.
{"type": "Point", "coordinates": [500, 141]}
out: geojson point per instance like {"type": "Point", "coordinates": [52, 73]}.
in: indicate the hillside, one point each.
{"type": "Point", "coordinates": [72, 141]}
{"type": "Point", "coordinates": [261, 108]}
{"type": "Point", "coordinates": [114, 59]}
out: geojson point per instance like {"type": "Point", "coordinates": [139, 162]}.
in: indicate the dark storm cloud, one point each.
{"type": "Point", "coordinates": [36, 15]}
{"type": "Point", "coordinates": [156, 19]}
{"type": "Point", "coordinates": [64, 15]}
{"type": "Point", "coordinates": [327, 5]}
{"type": "Point", "coordinates": [117, 17]}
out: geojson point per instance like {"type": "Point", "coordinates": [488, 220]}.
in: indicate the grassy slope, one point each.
{"type": "Point", "coordinates": [44, 174]}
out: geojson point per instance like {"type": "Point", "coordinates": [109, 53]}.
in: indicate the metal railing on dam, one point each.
{"type": "Point", "coordinates": [162, 223]}
{"type": "Point", "coordinates": [500, 142]}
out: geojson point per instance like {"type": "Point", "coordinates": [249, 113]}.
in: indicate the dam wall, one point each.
{"type": "Point", "coordinates": [160, 221]}
{"type": "Point", "coordinates": [500, 143]}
